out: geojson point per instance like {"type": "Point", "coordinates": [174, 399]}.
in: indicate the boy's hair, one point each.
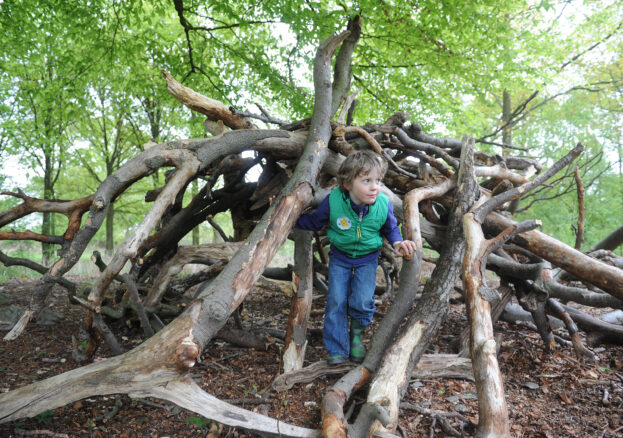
{"type": "Point", "coordinates": [360, 163]}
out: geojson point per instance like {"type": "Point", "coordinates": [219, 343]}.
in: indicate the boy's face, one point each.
{"type": "Point", "coordinates": [364, 189]}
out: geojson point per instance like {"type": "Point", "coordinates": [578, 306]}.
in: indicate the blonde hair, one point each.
{"type": "Point", "coordinates": [360, 163]}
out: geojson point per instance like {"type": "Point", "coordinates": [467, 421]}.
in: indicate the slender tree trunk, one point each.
{"type": "Point", "coordinates": [506, 117]}
{"type": "Point", "coordinates": [195, 232]}
{"type": "Point", "coordinates": [47, 224]}
{"type": "Point", "coordinates": [110, 240]}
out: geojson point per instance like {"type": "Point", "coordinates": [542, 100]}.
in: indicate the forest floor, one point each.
{"type": "Point", "coordinates": [548, 395]}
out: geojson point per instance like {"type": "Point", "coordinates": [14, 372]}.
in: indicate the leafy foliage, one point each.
{"type": "Point", "coordinates": [81, 88]}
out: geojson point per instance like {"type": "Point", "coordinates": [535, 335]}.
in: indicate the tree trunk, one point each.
{"type": "Point", "coordinates": [110, 240]}
{"type": "Point", "coordinates": [47, 224]}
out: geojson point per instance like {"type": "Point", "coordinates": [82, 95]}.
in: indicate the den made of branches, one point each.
{"type": "Point", "coordinates": [448, 195]}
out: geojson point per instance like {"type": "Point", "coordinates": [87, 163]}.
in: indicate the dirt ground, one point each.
{"type": "Point", "coordinates": [548, 395]}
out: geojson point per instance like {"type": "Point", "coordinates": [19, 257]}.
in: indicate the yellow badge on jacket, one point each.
{"type": "Point", "coordinates": [343, 223]}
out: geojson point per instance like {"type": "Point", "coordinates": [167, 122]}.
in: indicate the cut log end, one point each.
{"type": "Point", "coordinates": [186, 354]}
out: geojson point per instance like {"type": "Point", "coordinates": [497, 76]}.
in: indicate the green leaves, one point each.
{"type": "Point", "coordinates": [446, 63]}
{"type": "Point", "coordinates": [200, 422]}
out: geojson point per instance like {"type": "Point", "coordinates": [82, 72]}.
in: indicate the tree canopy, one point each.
{"type": "Point", "coordinates": [447, 62]}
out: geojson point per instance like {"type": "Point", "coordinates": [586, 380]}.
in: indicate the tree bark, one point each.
{"type": "Point", "coordinates": [300, 306]}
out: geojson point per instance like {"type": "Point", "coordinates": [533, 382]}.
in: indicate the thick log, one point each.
{"type": "Point", "coordinates": [300, 305]}
{"type": "Point", "coordinates": [587, 269]}
{"type": "Point", "coordinates": [211, 108]}
{"type": "Point", "coordinates": [497, 307]}
{"type": "Point", "coordinates": [492, 411]}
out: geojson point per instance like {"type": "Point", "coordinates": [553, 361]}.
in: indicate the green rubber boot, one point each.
{"type": "Point", "coordinates": [357, 349]}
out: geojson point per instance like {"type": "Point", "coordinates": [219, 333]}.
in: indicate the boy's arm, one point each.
{"type": "Point", "coordinates": [315, 220]}
{"type": "Point", "coordinates": [391, 232]}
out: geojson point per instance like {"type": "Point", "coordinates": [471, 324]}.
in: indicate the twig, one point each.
{"type": "Point", "coordinates": [98, 323]}
{"type": "Point", "coordinates": [218, 229]}
{"type": "Point", "coordinates": [433, 412]}
{"type": "Point", "coordinates": [432, 427]}
{"type": "Point", "coordinates": [502, 145]}
{"type": "Point", "coordinates": [395, 165]}
{"type": "Point", "coordinates": [148, 330]}
{"type": "Point", "coordinates": [23, 432]}
{"type": "Point", "coordinates": [264, 117]}
{"type": "Point", "coordinates": [403, 432]}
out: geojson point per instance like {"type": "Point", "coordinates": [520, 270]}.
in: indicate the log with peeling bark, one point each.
{"type": "Point", "coordinates": [300, 305]}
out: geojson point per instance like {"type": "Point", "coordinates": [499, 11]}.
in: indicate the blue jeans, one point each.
{"type": "Point", "coordinates": [351, 293]}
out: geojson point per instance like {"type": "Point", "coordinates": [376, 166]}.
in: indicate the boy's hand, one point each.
{"type": "Point", "coordinates": [404, 248]}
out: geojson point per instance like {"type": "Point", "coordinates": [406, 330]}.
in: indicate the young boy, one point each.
{"type": "Point", "coordinates": [359, 216]}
